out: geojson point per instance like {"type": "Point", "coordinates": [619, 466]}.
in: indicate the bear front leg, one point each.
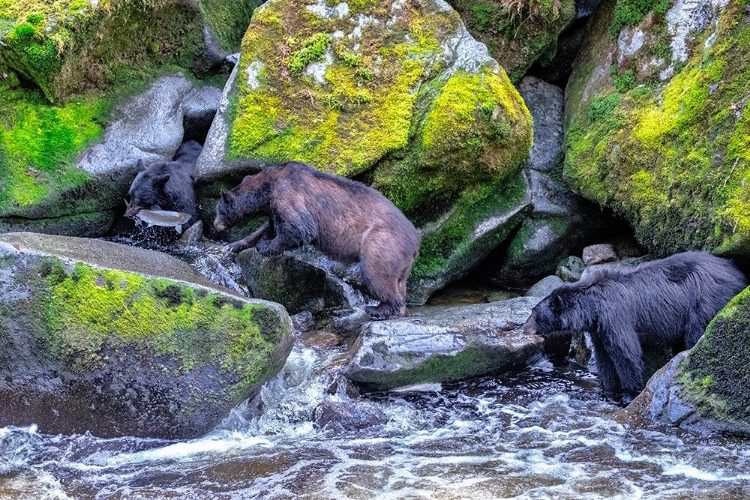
{"type": "Point", "coordinates": [288, 236]}
{"type": "Point", "coordinates": [250, 240]}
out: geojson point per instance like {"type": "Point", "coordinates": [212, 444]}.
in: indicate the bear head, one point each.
{"type": "Point", "coordinates": [147, 190]}
{"type": "Point", "coordinates": [556, 314]}
{"type": "Point", "coordinates": [250, 197]}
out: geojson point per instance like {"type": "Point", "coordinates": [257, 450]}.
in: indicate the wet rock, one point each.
{"type": "Point", "coordinates": [599, 254]}
{"type": "Point", "coordinates": [116, 340]}
{"type": "Point", "coordinates": [545, 102]}
{"type": "Point", "coordinates": [192, 235]}
{"type": "Point", "coordinates": [302, 280]}
{"type": "Point", "coordinates": [570, 269]}
{"type": "Point", "coordinates": [708, 387]}
{"type": "Point", "coordinates": [561, 222]}
{"type": "Point", "coordinates": [348, 416]}
{"type": "Point", "coordinates": [544, 287]}
{"type": "Point", "coordinates": [444, 344]}
{"type": "Point", "coordinates": [303, 321]}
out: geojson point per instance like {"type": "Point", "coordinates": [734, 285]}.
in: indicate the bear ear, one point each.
{"type": "Point", "coordinates": [557, 303]}
{"type": "Point", "coordinates": [227, 196]}
{"type": "Point", "coordinates": [247, 178]}
{"type": "Point", "coordinates": [161, 179]}
{"type": "Point", "coordinates": [141, 165]}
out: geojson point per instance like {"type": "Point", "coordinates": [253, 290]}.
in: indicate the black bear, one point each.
{"type": "Point", "coordinates": [346, 220]}
{"type": "Point", "coordinates": [167, 185]}
{"type": "Point", "coordinates": [662, 302]}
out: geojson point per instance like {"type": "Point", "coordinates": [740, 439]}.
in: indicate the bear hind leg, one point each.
{"type": "Point", "coordinates": [384, 276]}
{"type": "Point", "coordinates": [624, 349]}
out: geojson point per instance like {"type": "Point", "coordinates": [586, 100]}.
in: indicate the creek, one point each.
{"type": "Point", "coordinates": [544, 432]}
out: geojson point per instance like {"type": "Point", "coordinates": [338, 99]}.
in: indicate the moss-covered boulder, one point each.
{"type": "Point", "coordinates": [658, 122]}
{"type": "Point", "coordinates": [117, 340]}
{"type": "Point", "coordinates": [64, 169]}
{"type": "Point", "coordinates": [67, 71]}
{"type": "Point", "coordinates": [444, 344]}
{"type": "Point", "coordinates": [708, 387]}
{"type": "Point", "coordinates": [394, 93]}
{"type": "Point", "coordinates": [69, 46]}
{"type": "Point", "coordinates": [517, 33]}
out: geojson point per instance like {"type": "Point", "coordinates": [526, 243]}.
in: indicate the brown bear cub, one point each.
{"type": "Point", "coordinates": [167, 185]}
{"type": "Point", "coordinates": [663, 302]}
{"type": "Point", "coordinates": [346, 220]}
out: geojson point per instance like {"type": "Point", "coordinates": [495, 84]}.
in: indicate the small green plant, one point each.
{"type": "Point", "coordinates": [602, 107]}
{"type": "Point", "coordinates": [334, 103]}
{"type": "Point", "coordinates": [622, 81]}
{"type": "Point", "coordinates": [351, 59]}
{"type": "Point", "coordinates": [631, 12]}
{"type": "Point", "coordinates": [364, 74]}
{"type": "Point", "coordinates": [313, 49]}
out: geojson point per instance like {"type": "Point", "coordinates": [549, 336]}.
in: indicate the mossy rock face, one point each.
{"type": "Point", "coordinates": [715, 376]}
{"type": "Point", "coordinates": [64, 169]}
{"type": "Point", "coordinates": [660, 133]}
{"type": "Point", "coordinates": [516, 33]}
{"type": "Point", "coordinates": [69, 46]}
{"type": "Point", "coordinates": [117, 340]}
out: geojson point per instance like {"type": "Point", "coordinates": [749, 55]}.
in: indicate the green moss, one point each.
{"type": "Point", "coordinates": [469, 363]}
{"type": "Point", "coordinates": [71, 46]}
{"type": "Point", "coordinates": [313, 49]}
{"type": "Point", "coordinates": [228, 20]}
{"type": "Point", "coordinates": [716, 376]}
{"type": "Point", "coordinates": [88, 310]}
{"type": "Point", "coordinates": [672, 158]}
{"type": "Point", "coordinates": [623, 81]}
{"type": "Point", "coordinates": [631, 12]}
{"type": "Point", "coordinates": [358, 115]}
{"type": "Point", "coordinates": [447, 243]}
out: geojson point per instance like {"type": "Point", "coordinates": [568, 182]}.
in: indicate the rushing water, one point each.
{"type": "Point", "coordinates": [543, 433]}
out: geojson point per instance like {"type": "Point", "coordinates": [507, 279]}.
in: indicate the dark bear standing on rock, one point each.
{"type": "Point", "coordinates": [662, 302]}
{"type": "Point", "coordinates": [346, 220]}
{"type": "Point", "coordinates": [167, 185]}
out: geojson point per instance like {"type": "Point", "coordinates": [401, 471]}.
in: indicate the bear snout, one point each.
{"type": "Point", "coordinates": [219, 224]}
{"type": "Point", "coordinates": [529, 328]}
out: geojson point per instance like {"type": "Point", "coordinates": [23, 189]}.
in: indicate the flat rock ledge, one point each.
{"type": "Point", "coordinates": [120, 341]}
{"type": "Point", "coordinates": [444, 344]}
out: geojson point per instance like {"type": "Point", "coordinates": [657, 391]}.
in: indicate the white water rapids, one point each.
{"type": "Point", "coordinates": [543, 433]}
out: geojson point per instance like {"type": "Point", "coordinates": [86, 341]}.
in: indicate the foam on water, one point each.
{"type": "Point", "coordinates": [544, 433]}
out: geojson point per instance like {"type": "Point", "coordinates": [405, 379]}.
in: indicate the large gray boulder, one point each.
{"type": "Point", "coordinates": [444, 344]}
{"type": "Point", "coordinates": [115, 340]}
{"type": "Point", "coordinates": [560, 222]}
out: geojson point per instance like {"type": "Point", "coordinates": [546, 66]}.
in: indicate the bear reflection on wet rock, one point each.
{"type": "Point", "coordinates": [662, 302]}
{"type": "Point", "coordinates": [346, 220]}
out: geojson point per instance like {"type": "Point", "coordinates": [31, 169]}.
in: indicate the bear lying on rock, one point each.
{"type": "Point", "coordinates": [346, 220]}
{"type": "Point", "coordinates": [662, 302]}
{"type": "Point", "coordinates": [168, 185]}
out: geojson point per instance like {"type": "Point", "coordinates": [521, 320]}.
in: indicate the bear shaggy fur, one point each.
{"type": "Point", "coordinates": [346, 220]}
{"type": "Point", "coordinates": [662, 302]}
{"type": "Point", "coordinates": [167, 185]}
